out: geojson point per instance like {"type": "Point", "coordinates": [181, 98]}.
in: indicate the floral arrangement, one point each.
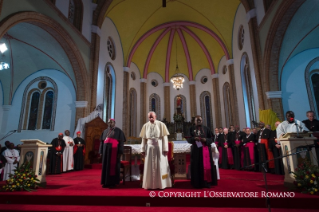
{"type": "Point", "coordinates": [24, 178]}
{"type": "Point", "coordinates": [307, 178]}
{"type": "Point", "coordinates": [178, 117]}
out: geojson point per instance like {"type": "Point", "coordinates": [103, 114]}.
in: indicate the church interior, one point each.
{"type": "Point", "coordinates": [64, 63]}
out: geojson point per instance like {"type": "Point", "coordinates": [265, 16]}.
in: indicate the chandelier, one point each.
{"type": "Point", "coordinates": [177, 79]}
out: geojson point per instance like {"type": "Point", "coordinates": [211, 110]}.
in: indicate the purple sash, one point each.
{"type": "Point", "coordinates": [206, 163]}
{"type": "Point", "coordinates": [251, 146]}
{"type": "Point", "coordinates": [114, 143]}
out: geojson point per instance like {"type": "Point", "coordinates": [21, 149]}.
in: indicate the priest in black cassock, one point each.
{"type": "Point", "coordinates": [111, 149]}
{"type": "Point", "coordinates": [203, 170]}
{"type": "Point", "coordinates": [276, 150]}
{"type": "Point", "coordinates": [313, 125]}
{"type": "Point", "coordinates": [78, 152]}
{"type": "Point", "coordinates": [264, 151]}
{"type": "Point", "coordinates": [249, 144]}
{"type": "Point", "coordinates": [237, 148]}
{"type": "Point", "coordinates": [226, 142]}
{"type": "Point", "coordinates": [56, 159]}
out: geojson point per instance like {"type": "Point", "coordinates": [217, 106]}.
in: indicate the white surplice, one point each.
{"type": "Point", "coordinates": [154, 143]}
{"type": "Point", "coordinates": [68, 160]}
{"type": "Point", "coordinates": [286, 127]}
{"type": "Point", "coordinates": [11, 155]}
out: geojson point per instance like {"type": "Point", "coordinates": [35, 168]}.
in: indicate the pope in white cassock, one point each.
{"type": "Point", "coordinates": [291, 125]}
{"type": "Point", "coordinates": [68, 159]}
{"type": "Point", "coordinates": [13, 158]}
{"type": "Point", "coordinates": [155, 148]}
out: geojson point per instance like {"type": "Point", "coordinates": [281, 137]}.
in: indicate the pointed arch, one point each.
{"type": "Point", "coordinates": [227, 106]}
{"type": "Point", "coordinates": [206, 109]}
{"type": "Point", "coordinates": [184, 105]}
{"type": "Point", "coordinates": [155, 105]}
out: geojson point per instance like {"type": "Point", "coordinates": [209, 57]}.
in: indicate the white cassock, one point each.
{"type": "Point", "coordinates": [68, 160]}
{"type": "Point", "coordinates": [215, 154]}
{"type": "Point", "coordinates": [154, 143]}
{"type": "Point", "coordinates": [286, 127]}
{"type": "Point", "coordinates": [11, 155]}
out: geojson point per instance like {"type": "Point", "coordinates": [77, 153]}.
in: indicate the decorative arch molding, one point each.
{"type": "Point", "coordinates": [184, 105]}
{"type": "Point", "coordinates": [24, 107]}
{"type": "Point", "coordinates": [157, 105]}
{"type": "Point", "coordinates": [308, 75]}
{"type": "Point", "coordinates": [276, 34]}
{"type": "Point", "coordinates": [62, 36]}
{"type": "Point", "coordinates": [132, 112]}
{"type": "Point", "coordinates": [203, 108]}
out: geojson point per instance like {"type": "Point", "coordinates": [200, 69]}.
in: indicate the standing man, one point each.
{"type": "Point", "coordinates": [276, 150]}
{"type": "Point", "coordinates": [203, 171]}
{"type": "Point", "coordinates": [226, 142]}
{"type": "Point", "coordinates": [291, 125]}
{"type": "Point", "coordinates": [155, 148]}
{"type": "Point", "coordinates": [68, 161]}
{"type": "Point", "coordinates": [111, 149]}
{"type": "Point", "coordinates": [264, 150]}
{"type": "Point", "coordinates": [13, 158]}
{"type": "Point", "coordinates": [79, 152]}
{"type": "Point", "coordinates": [58, 145]}
{"type": "Point", "coordinates": [313, 125]}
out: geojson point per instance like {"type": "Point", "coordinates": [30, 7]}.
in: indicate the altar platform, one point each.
{"type": "Point", "coordinates": [81, 191]}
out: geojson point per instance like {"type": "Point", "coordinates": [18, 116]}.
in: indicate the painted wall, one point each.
{"type": "Point", "coordinates": [109, 30]}
{"type": "Point", "coordinates": [136, 84]}
{"type": "Point", "coordinates": [63, 6]}
{"type": "Point", "coordinates": [65, 112]}
{"type": "Point", "coordinates": [260, 10]}
{"type": "Point", "coordinates": [87, 19]}
{"type": "Point", "coordinates": [293, 85]}
{"type": "Point", "coordinates": [302, 32]}
{"type": "Point", "coordinates": [200, 87]}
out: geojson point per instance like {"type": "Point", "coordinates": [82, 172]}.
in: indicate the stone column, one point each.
{"type": "Point", "coordinates": [81, 107]}
{"type": "Point", "coordinates": [167, 102]}
{"type": "Point", "coordinates": [94, 63]}
{"type": "Point", "coordinates": [275, 97]}
{"type": "Point", "coordinates": [192, 95]}
{"type": "Point", "coordinates": [233, 93]}
{"type": "Point", "coordinates": [257, 56]}
{"type": "Point", "coordinates": [216, 94]}
{"type": "Point", "coordinates": [125, 116]}
{"type": "Point", "coordinates": [143, 102]}
{"type": "Point", "coordinates": [4, 121]}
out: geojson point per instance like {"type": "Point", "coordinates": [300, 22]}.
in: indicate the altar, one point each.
{"type": "Point", "coordinates": [181, 150]}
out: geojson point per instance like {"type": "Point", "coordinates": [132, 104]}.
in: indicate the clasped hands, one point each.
{"type": "Point", "coordinates": [200, 139]}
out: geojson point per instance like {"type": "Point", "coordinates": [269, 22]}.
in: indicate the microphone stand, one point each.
{"type": "Point", "coordinates": [264, 170]}
{"type": "Point", "coordinates": [8, 134]}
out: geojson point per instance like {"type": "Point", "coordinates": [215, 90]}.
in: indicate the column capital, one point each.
{"type": "Point", "coordinates": [81, 104]}
{"type": "Point", "coordinates": [250, 14]}
{"type": "Point", "coordinates": [166, 84]}
{"type": "Point", "coordinates": [96, 29]}
{"type": "Point", "coordinates": [6, 107]}
{"type": "Point", "coordinates": [215, 76]}
{"type": "Point", "coordinates": [127, 69]}
{"type": "Point", "coordinates": [274, 94]}
{"type": "Point", "coordinates": [230, 62]}
{"type": "Point", "coordinates": [192, 82]}
{"type": "Point", "coordinates": [143, 80]}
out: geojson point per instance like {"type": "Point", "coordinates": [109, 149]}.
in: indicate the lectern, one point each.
{"type": "Point", "coordinates": [292, 143]}
{"type": "Point", "coordinates": [35, 152]}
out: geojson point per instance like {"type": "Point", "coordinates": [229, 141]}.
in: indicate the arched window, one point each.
{"type": "Point", "coordinates": [182, 105]}
{"type": "Point", "coordinates": [47, 114]}
{"type": "Point", "coordinates": [248, 93]}
{"type": "Point", "coordinates": [312, 83]}
{"type": "Point", "coordinates": [109, 93]}
{"type": "Point", "coordinates": [39, 105]}
{"type": "Point", "coordinates": [227, 106]}
{"type": "Point", "coordinates": [155, 105]}
{"type": "Point", "coordinates": [34, 109]}
{"type": "Point", "coordinates": [76, 13]}
{"type": "Point", "coordinates": [133, 112]}
{"type": "Point", "coordinates": [206, 109]}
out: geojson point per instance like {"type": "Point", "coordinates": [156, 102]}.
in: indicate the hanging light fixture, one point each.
{"type": "Point", "coordinates": [177, 79]}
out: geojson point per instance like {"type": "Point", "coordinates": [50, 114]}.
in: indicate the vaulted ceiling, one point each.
{"type": "Point", "coordinates": [194, 34]}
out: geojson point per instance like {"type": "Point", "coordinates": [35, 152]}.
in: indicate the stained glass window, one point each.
{"type": "Point", "coordinates": [315, 88]}
{"type": "Point", "coordinates": [34, 109]}
{"type": "Point", "coordinates": [47, 114]}
{"type": "Point", "coordinates": [154, 105]}
{"type": "Point", "coordinates": [207, 108]}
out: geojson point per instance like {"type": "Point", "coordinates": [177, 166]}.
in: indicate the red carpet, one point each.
{"type": "Point", "coordinates": [78, 190]}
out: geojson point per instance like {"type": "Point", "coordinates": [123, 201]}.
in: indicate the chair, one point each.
{"type": "Point", "coordinates": [126, 163]}
{"type": "Point", "coordinates": [94, 155]}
